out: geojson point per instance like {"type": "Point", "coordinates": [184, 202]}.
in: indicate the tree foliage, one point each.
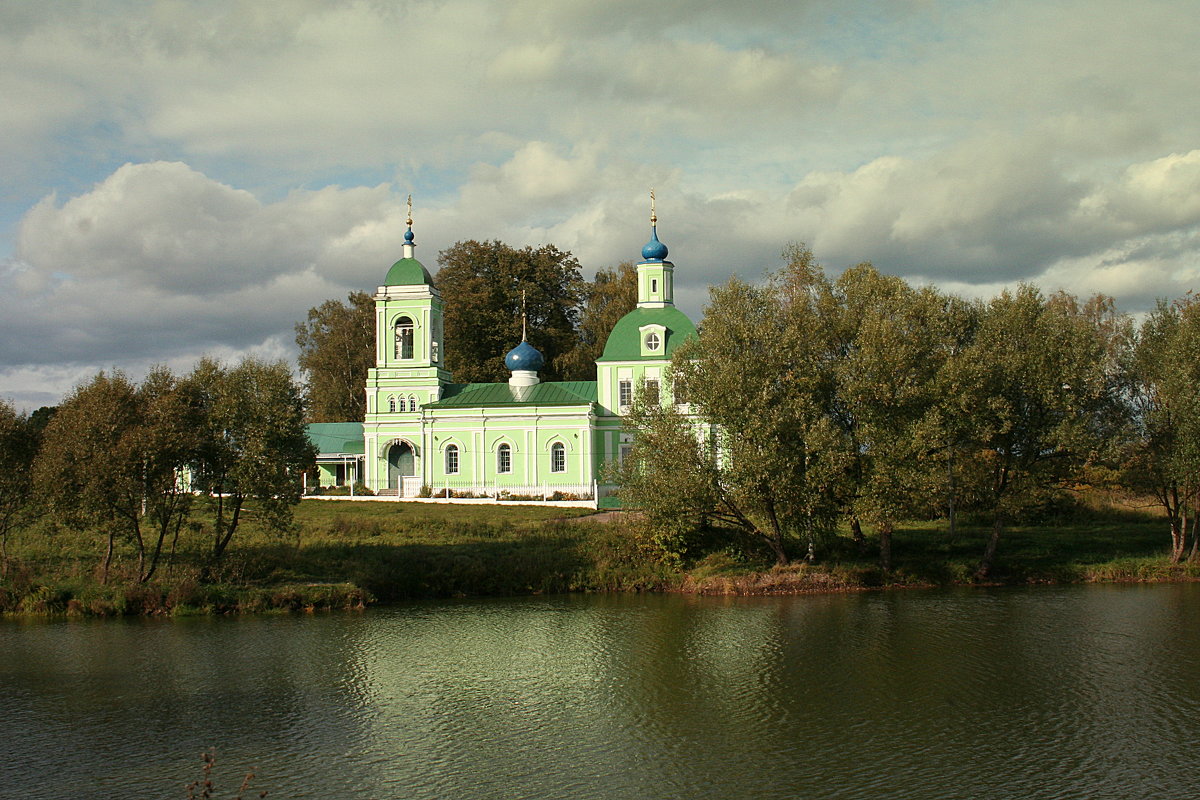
{"type": "Point", "coordinates": [91, 470]}
{"type": "Point", "coordinates": [894, 340]}
{"type": "Point", "coordinates": [1026, 400]}
{"type": "Point", "coordinates": [18, 445]}
{"type": "Point", "coordinates": [606, 298]}
{"type": "Point", "coordinates": [123, 460]}
{"type": "Point", "coordinates": [761, 375]}
{"type": "Point", "coordinates": [1162, 458]}
{"type": "Point", "coordinates": [337, 347]}
{"type": "Point", "coordinates": [252, 443]}
{"type": "Point", "coordinates": [482, 285]}
{"type": "Point", "coordinates": [869, 398]}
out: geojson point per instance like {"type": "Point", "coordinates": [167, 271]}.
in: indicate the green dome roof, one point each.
{"type": "Point", "coordinates": [625, 341]}
{"type": "Point", "coordinates": [408, 272]}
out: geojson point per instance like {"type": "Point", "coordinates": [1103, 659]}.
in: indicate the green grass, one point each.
{"type": "Point", "coordinates": [341, 555]}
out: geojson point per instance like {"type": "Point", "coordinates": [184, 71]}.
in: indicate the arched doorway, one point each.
{"type": "Point", "coordinates": [402, 463]}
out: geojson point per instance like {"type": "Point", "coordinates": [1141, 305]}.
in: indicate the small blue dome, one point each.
{"type": "Point", "coordinates": [654, 249]}
{"type": "Point", "coordinates": [408, 236]}
{"type": "Point", "coordinates": [524, 356]}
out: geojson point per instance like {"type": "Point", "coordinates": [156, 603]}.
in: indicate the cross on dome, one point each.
{"type": "Point", "coordinates": [408, 234]}
{"type": "Point", "coordinates": [654, 249]}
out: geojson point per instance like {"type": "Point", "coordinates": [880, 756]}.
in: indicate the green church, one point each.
{"type": "Point", "coordinates": [426, 436]}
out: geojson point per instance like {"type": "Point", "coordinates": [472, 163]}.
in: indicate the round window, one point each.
{"type": "Point", "coordinates": [652, 341]}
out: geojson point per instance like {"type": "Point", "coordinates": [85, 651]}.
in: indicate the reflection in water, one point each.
{"type": "Point", "coordinates": [1058, 692]}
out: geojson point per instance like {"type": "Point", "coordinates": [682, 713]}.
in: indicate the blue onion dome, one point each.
{"type": "Point", "coordinates": [408, 235]}
{"type": "Point", "coordinates": [654, 249]}
{"type": "Point", "coordinates": [524, 356]}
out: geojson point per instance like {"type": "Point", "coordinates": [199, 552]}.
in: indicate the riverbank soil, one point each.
{"type": "Point", "coordinates": [343, 554]}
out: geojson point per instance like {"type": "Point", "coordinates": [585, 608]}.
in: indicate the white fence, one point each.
{"type": "Point", "coordinates": [470, 490]}
{"type": "Point", "coordinates": [567, 495]}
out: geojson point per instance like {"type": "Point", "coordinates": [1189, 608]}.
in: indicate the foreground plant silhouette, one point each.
{"type": "Point", "coordinates": [205, 784]}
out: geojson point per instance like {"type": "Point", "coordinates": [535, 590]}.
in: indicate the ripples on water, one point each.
{"type": "Point", "coordinates": [1076, 692]}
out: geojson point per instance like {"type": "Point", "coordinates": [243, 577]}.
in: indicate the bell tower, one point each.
{"type": "Point", "coordinates": [409, 369]}
{"type": "Point", "coordinates": [656, 275]}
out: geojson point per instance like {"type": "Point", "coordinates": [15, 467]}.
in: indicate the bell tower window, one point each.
{"type": "Point", "coordinates": [404, 338]}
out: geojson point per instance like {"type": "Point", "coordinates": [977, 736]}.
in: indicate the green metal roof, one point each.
{"type": "Point", "coordinates": [408, 272]}
{"type": "Point", "coordinates": [336, 437]}
{"type": "Point", "coordinates": [479, 395]}
{"type": "Point", "coordinates": [625, 341]}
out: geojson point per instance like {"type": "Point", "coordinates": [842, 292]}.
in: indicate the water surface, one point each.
{"type": "Point", "coordinates": [1063, 692]}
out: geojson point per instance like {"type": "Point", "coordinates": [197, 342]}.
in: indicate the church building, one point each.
{"type": "Point", "coordinates": [425, 435]}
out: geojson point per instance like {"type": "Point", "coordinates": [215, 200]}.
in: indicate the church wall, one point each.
{"type": "Point", "coordinates": [530, 434]}
{"type": "Point", "coordinates": [609, 375]}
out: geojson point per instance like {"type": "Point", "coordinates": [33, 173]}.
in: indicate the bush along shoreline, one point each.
{"type": "Point", "coordinates": [350, 556]}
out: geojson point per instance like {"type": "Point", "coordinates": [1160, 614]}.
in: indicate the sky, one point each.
{"type": "Point", "coordinates": [189, 178]}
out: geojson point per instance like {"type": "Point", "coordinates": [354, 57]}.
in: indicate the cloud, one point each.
{"type": "Point", "coordinates": [166, 227]}
{"type": "Point", "coordinates": [1153, 197]}
{"type": "Point", "coordinates": [159, 262]}
{"type": "Point", "coordinates": [1003, 209]}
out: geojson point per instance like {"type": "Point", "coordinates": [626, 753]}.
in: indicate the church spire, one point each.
{"type": "Point", "coordinates": [524, 317]}
{"type": "Point", "coordinates": [408, 234]}
{"type": "Point", "coordinates": [654, 249]}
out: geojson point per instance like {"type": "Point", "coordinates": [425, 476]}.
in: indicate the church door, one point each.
{"type": "Point", "coordinates": [401, 463]}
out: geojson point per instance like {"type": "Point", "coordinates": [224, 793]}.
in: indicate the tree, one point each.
{"type": "Point", "coordinates": [253, 444]}
{"type": "Point", "coordinates": [482, 284]}
{"type": "Point", "coordinates": [896, 340]}
{"type": "Point", "coordinates": [677, 495]}
{"type": "Point", "coordinates": [760, 374]}
{"type": "Point", "coordinates": [90, 464]}
{"type": "Point", "coordinates": [112, 459]}
{"type": "Point", "coordinates": [1029, 398]}
{"type": "Point", "coordinates": [168, 439]}
{"type": "Point", "coordinates": [606, 298]}
{"type": "Point", "coordinates": [18, 445]}
{"type": "Point", "coordinates": [337, 347]}
{"type": "Point", "coordinates": [1162, 457]}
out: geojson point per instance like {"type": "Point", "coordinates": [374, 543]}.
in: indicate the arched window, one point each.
{"type": "Point", "coordinates": [392, 405]}
{"type": "Point", "coordinates": [412, 403]}
{"type": "Point", "coordinates": [404, 338]}
{"type": "Point", "coordinates": [504, 458]}
{"type": "Point", "coordinates": [558, 457]}
{"type": "Point", "coordinates": [452, 459]}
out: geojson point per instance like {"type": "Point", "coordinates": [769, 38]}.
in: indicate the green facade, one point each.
{"type": "Point", "coordinates": [425, 435]}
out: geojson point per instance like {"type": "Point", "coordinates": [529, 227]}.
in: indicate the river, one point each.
{"type": "Point", "coordinates": [1045, 692]}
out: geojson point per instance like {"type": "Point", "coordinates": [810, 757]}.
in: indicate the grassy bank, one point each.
{"type": "Point", "coordinates": [343, 555]}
